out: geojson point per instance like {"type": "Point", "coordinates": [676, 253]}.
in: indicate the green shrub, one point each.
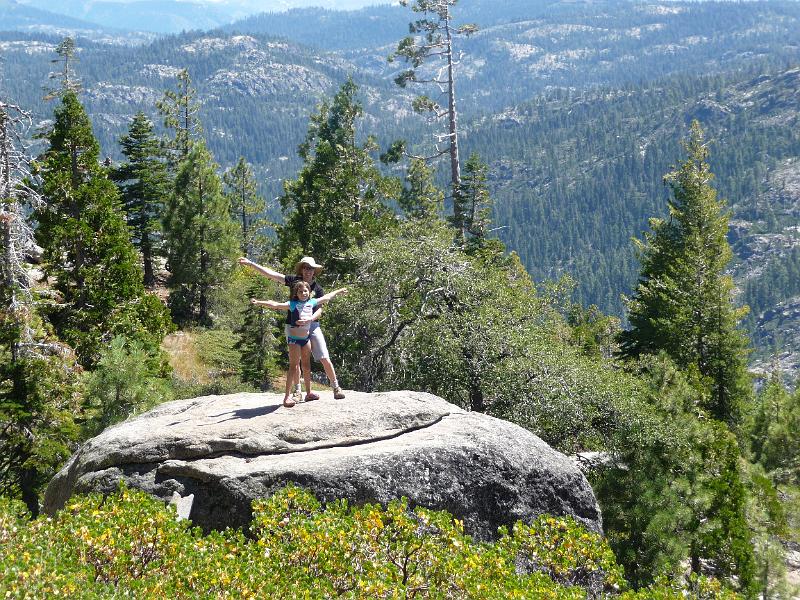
{"type": "Point", "coordinates": [130, 545]}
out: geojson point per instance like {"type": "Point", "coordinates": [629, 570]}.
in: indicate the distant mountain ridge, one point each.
{"type": "Point", "coordinates": [576, 175]}
{"type": "Point", "coordinates": [174, 16]}
{"type": "Point", "coordinates": [15, 16]}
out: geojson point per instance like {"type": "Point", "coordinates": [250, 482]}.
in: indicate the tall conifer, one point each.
{"type": "Point", "coordinates": [337, 201]}
{"type": "Point", "coordinates": [432, 39]}
{"type": "Point", "coordinates": [144, 183]}
{"type": "Point", "coordinates": [260, 337]}
{"type": "Point", "coordinates": [180, 109]}
{"type": "Point", "coordinates": [200, 236]}
{"type": "Point", "coordinates": [684, 302]}
{"type": "Point", "coordinates": [420, 198]}
{"type": "Point", "coordinates": [87, 245]}
{"type": "Point", "coordinates": [247, 206]}
{"type": "Point", "coordinates": [474, 202]}
{"type": "Point", "coordinates": [39, 403]}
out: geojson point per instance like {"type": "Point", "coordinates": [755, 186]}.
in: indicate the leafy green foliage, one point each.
{"type": "Point", "coordinates": [180, 111]}
{"type": "Point", "coordinates": [122, 383]}
{"type": "Point", "coordinates": [473, 204]}
{"type": "Point", "coordinates": [420, 198]}
{"type": "Point", "coordinates": [200, 237]}
{"type": "Point", "coordinates": [246, 205]}
{"type": "Point", "coordinates": [128, 543]}
{"type": "Point", "coordinates": [217, 349]}
{"type": "Point", "coordinates": [566, 553]}
{"type": "Point", "coordinates": [776, 422]}
{"type": "Point", "coordinates": [40, 415]}
{"type": "Point", "coordinates": [260, 336]}
{"type": "Point", "coordinates": [675, 490]}
{"type": "Point", "coordinates": [769, 524]}
{"type": "Point", "coordinates": [423, 314]}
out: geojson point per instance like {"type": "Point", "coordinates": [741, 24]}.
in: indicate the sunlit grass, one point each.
{"type": "Point", "coordinates": [184, 358]}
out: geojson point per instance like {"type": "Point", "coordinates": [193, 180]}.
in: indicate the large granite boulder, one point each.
{"type": "Point", "coordinates": [228, 450]}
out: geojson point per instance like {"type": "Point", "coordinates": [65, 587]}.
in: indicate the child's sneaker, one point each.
{"type": "Point", "coordinates": [338, 393]}
{"type": "Point", "coordinates": [297, 396]}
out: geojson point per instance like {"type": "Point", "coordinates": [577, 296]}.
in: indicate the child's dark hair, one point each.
{"type": "Point", "coordinates": [296, 288]}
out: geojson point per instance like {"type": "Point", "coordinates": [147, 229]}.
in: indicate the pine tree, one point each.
{"type": "Point", "coordinates": [775, 443]}
{"type": "Point", "coordinates": [260, 341]}
{"type": "Point", "coordinates": [87, 246]}
{"type": "Point", "coordinates": [246, 204]}
{"type": "Point", "coordinates": [144, 183]}
{"type": "Point", "coordinates": [66, 51]}
{"type": "Point", "coordinates": [474, 202]}
{"type": "Point", "coordinates": [337, 201]}
{"type": "Point", "coordinates": [122, 383]}
{"type": "Point", "coordinates": [420, 198]}
{"type": "Point", "coordinates": [200, 237]}
{"type": "Point", "coordinates": [684, 301]}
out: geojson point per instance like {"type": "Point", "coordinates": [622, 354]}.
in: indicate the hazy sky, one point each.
{"type": "Point", "coordinates": [250, 5]}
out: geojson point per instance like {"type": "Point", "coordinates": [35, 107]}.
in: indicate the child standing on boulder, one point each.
{"type": "Point", "coordinates": [301, 308]}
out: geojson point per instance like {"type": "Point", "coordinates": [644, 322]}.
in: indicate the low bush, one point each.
{"type": "Point", "coordinates": [131, 545]}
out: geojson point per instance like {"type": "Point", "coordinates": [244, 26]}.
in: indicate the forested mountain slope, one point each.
{"type": "Point", "coordinates": [581, 173]}
{"type": "Point", "coordinates": [256, 91]}
{"type": "Point", "coordinates": [577, 107]}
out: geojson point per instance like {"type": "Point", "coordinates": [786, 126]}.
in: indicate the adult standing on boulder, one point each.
{"type": "Point", "coordinates": [306, 270]}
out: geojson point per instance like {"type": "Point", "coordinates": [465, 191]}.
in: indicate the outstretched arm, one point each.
{"type": "Point", "coordinates": [265, 271]}
{"type": "Point", "coordinates": [331, 295]}
{"type": "Point", "coordinates": [270, 304]}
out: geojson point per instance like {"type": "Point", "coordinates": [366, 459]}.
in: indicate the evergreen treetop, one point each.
{"type": "Point", "coordinates": [339, 199]}
{"type": "Point", "coordinates": [144, 183]}
{"type": "Point", "coordinates": [684, 302]}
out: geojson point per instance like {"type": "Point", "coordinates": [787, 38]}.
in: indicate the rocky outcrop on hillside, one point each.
{"type": "Point", "coordinates": [257, 77]}
{"type": "Point", "coordinates": [765, 236]}
{"type": "Point", "coordinates": [228, 450]}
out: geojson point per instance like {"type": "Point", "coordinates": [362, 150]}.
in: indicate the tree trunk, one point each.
{"type": "Point", "coordinates": [477, 403]}
{"type": "Point", "coordinates": [30, 496]}
{"type": "Point", "coordinates": [262, 335]}
{"type": "Point", "coordinates": [455, 164]}
{"type": "Point", "coordinates": [147, 256]}
{"type": "Point", "coordinates": [245, 240]}
{"type": "Point", "coordinates": [203, 301]}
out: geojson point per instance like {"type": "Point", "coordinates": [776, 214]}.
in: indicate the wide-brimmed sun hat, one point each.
{"type": "Point", "coordinates": [307, 260]}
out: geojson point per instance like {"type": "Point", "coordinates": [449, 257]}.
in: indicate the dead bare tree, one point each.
{"type": "Point", "coordinates": [17, 235]}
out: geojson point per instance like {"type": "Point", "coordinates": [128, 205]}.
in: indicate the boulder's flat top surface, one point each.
{"type": "Point", "coordinates": [258, 424]}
